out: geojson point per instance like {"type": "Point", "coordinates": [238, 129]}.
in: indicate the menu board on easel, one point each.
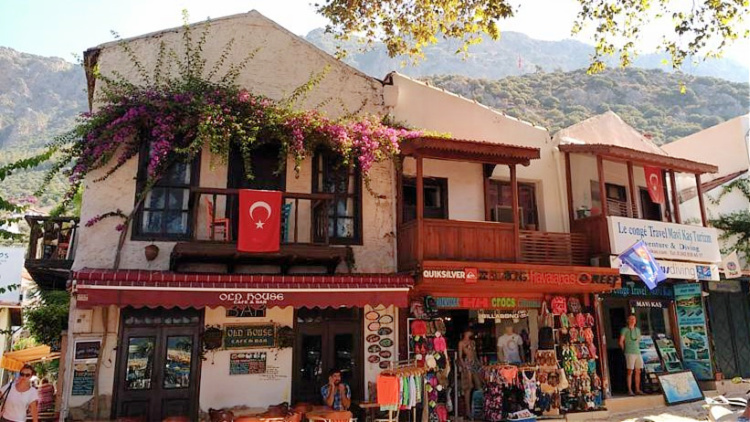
{"type": "Point", "coordinates": [669, 354]}
{"type": "Point", "coordinates": [84, 375]}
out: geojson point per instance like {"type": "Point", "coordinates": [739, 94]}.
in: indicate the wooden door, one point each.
{"type": "Point", "coordinates": [326, 341]}
{"type": "Point", "coordinates": [158, 364]}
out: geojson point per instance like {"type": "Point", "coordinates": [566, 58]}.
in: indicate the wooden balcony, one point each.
{"type": "Point", "coordinates": [304, 234]}
{"type": "Point", "coordinates": [52, 244]}
{"type": "Point", "coordinates": [479, 241]}
{"type": "Point", "coordinates": [595, 229]}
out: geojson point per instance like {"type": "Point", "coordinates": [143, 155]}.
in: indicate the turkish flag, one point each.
{"type": "Point", "coordinates": [655, 184]}
{"type": "Point", "coordinates": [260, 221]}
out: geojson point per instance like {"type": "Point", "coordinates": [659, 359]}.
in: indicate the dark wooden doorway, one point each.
{"type": "Point", "coordinates": [158, 364]}
{"type": "Point", "coordinates": [326, 339]}
{"type": "Point", "coordinates": [650, 210]}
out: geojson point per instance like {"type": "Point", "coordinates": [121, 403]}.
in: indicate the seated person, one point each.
{"type": "Point", "coordinates": [336, 394]}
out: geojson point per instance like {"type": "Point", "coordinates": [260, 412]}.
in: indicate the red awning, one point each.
{"type": "Point", "coordinates": [152, 289]}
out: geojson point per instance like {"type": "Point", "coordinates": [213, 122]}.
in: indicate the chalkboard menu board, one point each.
{"type": "Point", "coordinates": [249, 336]}
{"type": "Point", "coordinates": [84, 375]}
{"type": "Point", "coordinates": [247, 363]}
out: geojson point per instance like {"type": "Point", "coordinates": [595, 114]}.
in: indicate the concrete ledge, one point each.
{"type": "Point", "coordinates": [628, 404]}
{"type": "Point", "coordinates": [599, 415]}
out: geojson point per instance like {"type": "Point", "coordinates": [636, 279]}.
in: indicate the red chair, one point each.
{"type": "Point", "coordinates": [213, 223]}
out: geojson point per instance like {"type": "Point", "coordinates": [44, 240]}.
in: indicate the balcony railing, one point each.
{"type": "Point", "coordinates": [304, 219]}
{"type": "Point", "coordinates": [215, 220]}
{"type": "Point", "coordinates": [51, 238]}
{"type": "Point", "coordinates": [450, 240]}
{"type": "Point", "coordinates": [595, 229]}
{"type": "Point", "coordinates": [52, 246]}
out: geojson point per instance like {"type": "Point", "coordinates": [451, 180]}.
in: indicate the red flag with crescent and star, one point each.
{"type": "Point", "coordinates": [655, 184]}
{"type": "Point", "coordinates": [260, 221]}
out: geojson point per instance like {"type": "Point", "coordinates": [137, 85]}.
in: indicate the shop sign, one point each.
{"type": "Point", "coordinates": [498, 314]}
{"type": "Point", "coordinates": [647, 303]}
{"type": "Point", "coordinates": [665, 240]}
{"type": "Point", "coordinates": [231, 299]}
{"type": "Point", "coordinates": [638, 289]}
{"type": "Point", "coordinates": [247, 363]}
{"type": "Point", "coordinates": [486, 303]}
{"type": "Point", "coordinates": [726, 286]}
{"type": "Point", "coordinates": [249, 336]}
{"type": "Point", "coordinates": [691, 321]}
{"type": "Point", "coordinates": [87, 350]}
{"type": "Point", "coordinates": [676, 270]}
{"type": "Point", "coordinates": [526, 276]}
{"type": "Point", "coordinates": [11, 266]}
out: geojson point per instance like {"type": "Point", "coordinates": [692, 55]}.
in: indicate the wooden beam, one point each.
{"type": "Point", "coordinates": [516, 217]}
{"type": "Point", "coordinates": [399, 165]}
{"type": "Point", "coordinates": [569, 188]}
{"type": "Point", "coordinates": [675, 200]}
{"type": "Point", "coordinates": [420, 210]}
{"type": "Point", "coordinates": [602, 186]}
{"type": "Point", "coordinates": [701, 203]}
{"type": "Point", "coordinates": [632, 199]}
{"type": "Point", "coordinates": [487, 170]}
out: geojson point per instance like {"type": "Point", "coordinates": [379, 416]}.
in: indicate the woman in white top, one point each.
{"type": "Point", "coordinates": [21, 397]}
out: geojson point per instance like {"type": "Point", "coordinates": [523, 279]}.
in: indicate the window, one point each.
{"type": "Point", "coordinates": [165, 212]}
{"type": "Point", "coordinates": [501, 202]}
{"type": "Point", "coordinates": [435, 198]}
{"type": "Point", "coordinates": [344, 212]}
{"type": "Point", "coordinates": [617, 199]}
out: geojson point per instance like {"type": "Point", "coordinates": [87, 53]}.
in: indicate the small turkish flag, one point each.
{"type": "Point", "coordinates": [260, 221]}
{"type": "Point", "coordinates": [655, 184]}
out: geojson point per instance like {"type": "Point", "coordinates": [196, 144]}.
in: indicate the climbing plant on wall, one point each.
{"type": "Point", "coordinates": [735, 226]}
{"type": "Point", "coordinates": [183, 105]}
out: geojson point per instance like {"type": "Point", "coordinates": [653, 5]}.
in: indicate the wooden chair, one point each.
{"type": "Point", "coordinates": [212, 223]}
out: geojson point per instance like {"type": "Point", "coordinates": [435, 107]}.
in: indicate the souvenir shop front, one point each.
{"type": "Point", "coordinates": [509, 340]}
{"type": "Point", "coordinates": [673, 321]}
{"type": "Point", "coordinates": [161, 344]}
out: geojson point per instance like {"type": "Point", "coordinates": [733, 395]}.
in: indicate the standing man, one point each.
{"type": "Point", "coordinates": [630, 338]}
{"type": "Point", "coordinates": [336, 394]}
{"type": "Point", "coordinates": [470, 368]}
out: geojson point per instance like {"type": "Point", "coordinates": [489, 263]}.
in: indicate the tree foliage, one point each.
{"type": "Point", "coordinates": [701, 28]}
{"type": "Point", "coordinates": [48, 317]}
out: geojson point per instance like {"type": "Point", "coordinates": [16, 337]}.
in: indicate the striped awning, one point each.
{"type": "Point", "coordinates": [139, 288]}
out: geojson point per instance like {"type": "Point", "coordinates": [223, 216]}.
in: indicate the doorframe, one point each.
{"type": "Point", "coordinates": [358, 344]}
{"type": "Point", "coordinates": [119, 361]}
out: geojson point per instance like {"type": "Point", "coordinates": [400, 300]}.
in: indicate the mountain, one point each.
{"type": "Point", "coordinates": [39, 98]}
{"type": "Point", "coordinates": [648, 99]}
{"type": "Point", "coordinates": [512, 55]}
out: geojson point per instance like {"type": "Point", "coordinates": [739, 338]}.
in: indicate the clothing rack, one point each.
{"type": "Point", "coordinates": [406, 367]}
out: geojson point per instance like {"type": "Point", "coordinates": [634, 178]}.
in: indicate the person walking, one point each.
{"type": "Point", "coordinates": [19, 397]}
{"type": "Point", "coordinates": [630, 338]}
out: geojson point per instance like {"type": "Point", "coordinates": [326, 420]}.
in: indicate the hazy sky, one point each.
{"type": "Point", "coordinates": [66, 27]}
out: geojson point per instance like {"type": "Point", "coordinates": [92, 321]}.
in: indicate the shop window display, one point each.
{"type": "Point", "coordinates": [520, 376]}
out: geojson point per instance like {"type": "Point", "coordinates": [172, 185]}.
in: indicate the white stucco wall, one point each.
{"type": "Point", "coordinates": [282, 63]}
{"type": "Point", "coordinates": [421, 106]}
{"type": "Point", "coordinates": [220, 390]}
{"type": "Point", "coordinates": [584, 171]}
{"type": "Point", "coordinates": [724, 145]}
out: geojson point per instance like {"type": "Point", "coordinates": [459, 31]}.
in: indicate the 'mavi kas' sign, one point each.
{"type": "Point", "coordinates": [665, 240]}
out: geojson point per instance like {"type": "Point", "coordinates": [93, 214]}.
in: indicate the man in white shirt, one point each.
{"type": "Point", "coordinates": [509, 346]}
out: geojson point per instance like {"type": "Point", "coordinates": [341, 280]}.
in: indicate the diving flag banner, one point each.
{"type": "Point", "coordinates": [260, 221]}
{"type": "Point", "coordinates": [731, 266]}
{"type": "Point", "coordinates": [640, 260]}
